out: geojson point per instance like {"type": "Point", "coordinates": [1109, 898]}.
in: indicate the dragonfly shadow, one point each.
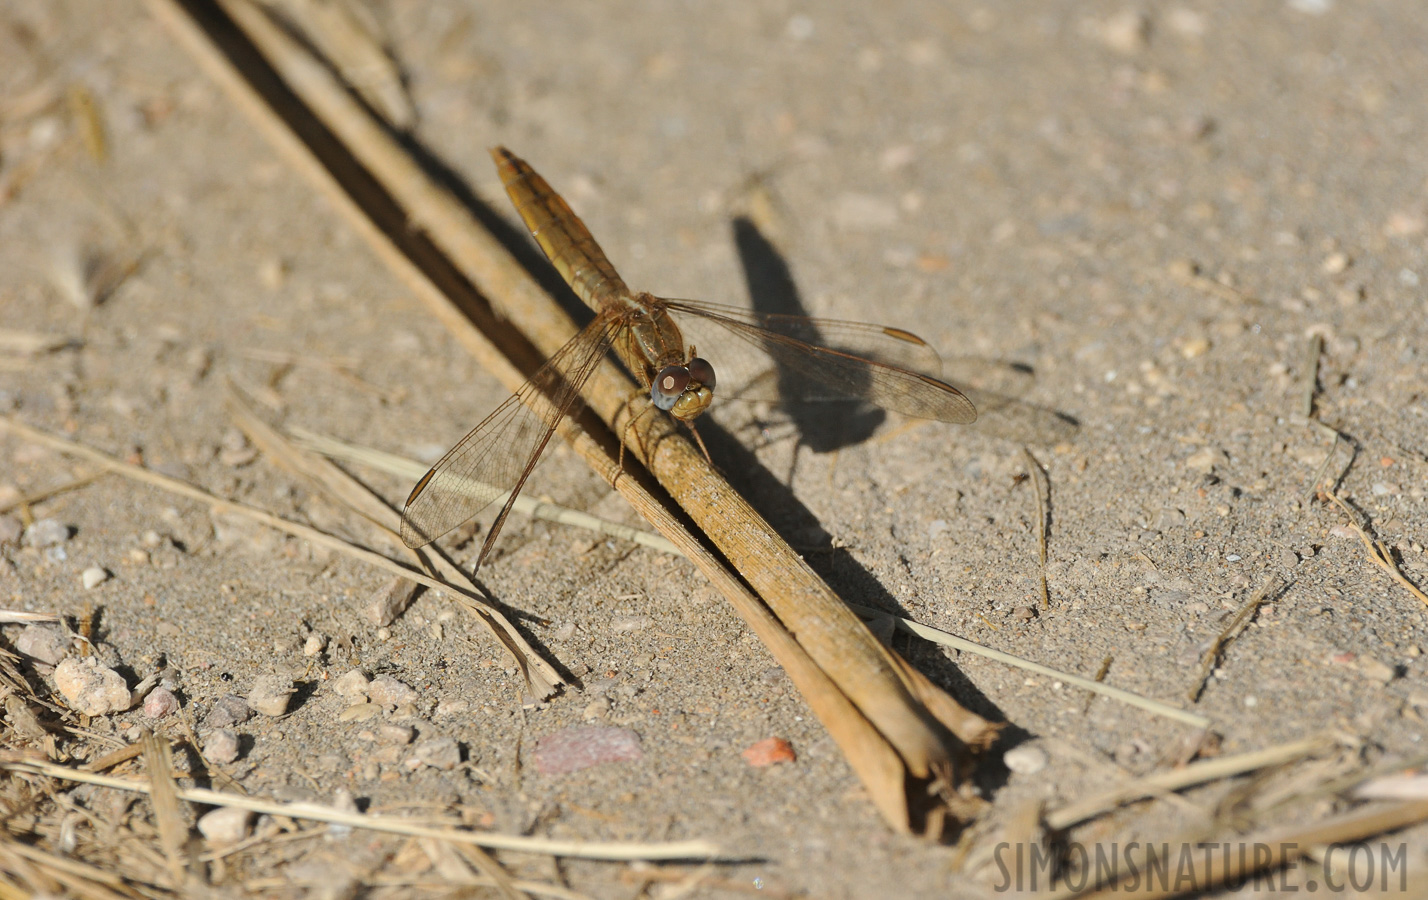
{"type": "Point", "coordinates": [824, 425]}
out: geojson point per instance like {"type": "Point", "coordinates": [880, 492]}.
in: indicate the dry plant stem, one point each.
{"type": "Point", "coordinates": [1187, 776]}
{"type": "Point", "coordinates": [1043, 494]}
{"type": "Point", "coordinates": [47, 493]}
{"type": "Point", "coordinates": [163, 794]}
{"type": "Point", "coordinates": [1246, 612]}
{"type": "Point", "coordinates": [1312, 351]}
{"type": "Point", "coordinates": [1284, 845]}
{"type": "Point", "coordinates": [832, 636]}
{"type": "Point", "coordinates": [388, 824]}
{"type": "Point", "coordinates": [1378, 551]}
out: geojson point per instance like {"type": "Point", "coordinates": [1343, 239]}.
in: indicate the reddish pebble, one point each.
{"type": "Point", "coordinates": [160, 703]}
{"type": "Point", "coordinates": [1343, 658]}
{"type": "Point", "coordinates": [769, 751]}
{"type": "Point", "coordinates": [584, 746]}
{"type": "Point", "coordinates": [1385, 461]}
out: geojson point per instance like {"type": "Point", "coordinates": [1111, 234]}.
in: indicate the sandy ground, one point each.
{"type": "Point", "coordinates": [1031, 186]}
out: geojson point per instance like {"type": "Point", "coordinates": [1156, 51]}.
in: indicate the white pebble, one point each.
{"type": "Point", "coordinates": [270, 694]}
{"type": "Point", "coordinates": [90, 688]}
{"type": "Point", "coordinates": [352, 686]}
{"type": "Point", "coordinates": [221, 746]}
{"type": "Point", "coordinates": [314, 645]}
{"type": "Point", "coordinates": [93, 577]}
{"type": "Point", "coordinates": [1025, 759]}
{"type": "Point", "coordinates": [225, 825]}
{"type": "Point", "coordinates": [46, 533]}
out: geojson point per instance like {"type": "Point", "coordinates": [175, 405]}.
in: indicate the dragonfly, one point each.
{"type": "Point", "coordinates": [881, 365]}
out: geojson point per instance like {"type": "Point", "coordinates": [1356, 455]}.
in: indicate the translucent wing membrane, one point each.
{"type": "Point", "coordinates": [494, 460]}
{"type": "Point", "coordinates": [888, 367]}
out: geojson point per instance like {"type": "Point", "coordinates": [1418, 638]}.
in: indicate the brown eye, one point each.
{"type": "Point", "coordinates": [701, 371]}
{"type": "Point", "coordinates": [668, 385]}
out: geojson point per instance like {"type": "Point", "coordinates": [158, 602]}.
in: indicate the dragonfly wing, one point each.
{"type": "Point", "coordinates": [888, 367]}
{"type": "Point", "coordinates": [494, 460]}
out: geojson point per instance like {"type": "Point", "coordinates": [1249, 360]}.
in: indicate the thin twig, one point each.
{"type": "Point", "coordinates": [1245, 613]}
{"type": "Point", "coordinates": [1042, 488]}
{"type": "Point", "coordinates": [1378, 551]}
{"type": "Point", "coordinates": [1313, 350]}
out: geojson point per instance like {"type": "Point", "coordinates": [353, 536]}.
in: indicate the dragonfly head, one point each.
{"type": "Point", "coordinates": [684, 391]}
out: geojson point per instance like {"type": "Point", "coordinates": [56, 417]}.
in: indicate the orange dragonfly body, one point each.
{"type": "Point", "coordinates": [883, 366]}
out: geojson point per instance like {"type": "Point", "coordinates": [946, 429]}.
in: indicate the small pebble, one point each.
{"type": "Point", "coordinates": [1195, 347]}
{"type": "Point", "coordinates": [47, 533]}
{"type": "Point", "coordinates": [595, 709]}
{"type": "Point", "coordinates": [1025, 759]}
{"type": "Point", "coordinates": [630, 623]}
{"type": "Point", "coordinates": [221, 746]}
{"type": "Point", "coordinates": [1024, 613]}
{"type": "Point", "coordinates": [388, 733]}
{"type": "Point", "coordinates": [11, 529]}
{"type": "Point", "coordinates": [43, 643]}
{"type": "Point", "coordinates": [1205, 460]}
{"type": "Point", "coordinates": [160, 703]}
{"type": "Point", "coordinates": [314, 645]}
{"type": "Point", "coordinates": [769, 751]}
{"type": "Point", "coordinates": [270, 694]}
{"type": "Point", "coordinates": [438, 753]}
{"type": "Point", "coordinates": [360, 712]}
{"type": "Point", "coordinates": [93, 577]}
{"type": "Point", "coordinates": [90, 688]}
{"type": "Point", "coordinates": [1377, 670]}
{"type": "Point", "coordinates": [351, 685]}
{"type": "Point", "coordinates": [230, 709]}
{"type": "Point", "coordinates": [583, 746]}
{"type": "Point", "coordinates": [390, 601]}
{"type": "Point", "coordinates": [225, 825]}
{"type": "Point", "coordinates": [1128, 31]}
{"type": "Point", "coordinates": [389, 693]}
{"type": "Point", "coordinates": [1335, 263]}
{"type": "Point", "coordinates": [564, 631]}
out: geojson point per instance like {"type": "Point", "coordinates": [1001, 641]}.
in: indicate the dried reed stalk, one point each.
{"type": "Point", "coordinates": [900, 733]}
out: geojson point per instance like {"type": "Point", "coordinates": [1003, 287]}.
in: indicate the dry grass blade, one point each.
{"type": "Point", "coordinates": [1187, 776]}
{"type": "Point", "coordinates": [541, 678]}
{"type": "Point", "coordinates": [1043, 495]}
{"type": "Point", "coordinates": [46, 493]}
{"type": "Point", "coordinates": [1228, 633]}
{"type": "Point", "coordinates": [951, 640]}
{"type": "Point", "coordinates": [163, 795]}
{"type": "Point", "coordinates": [430, 225]}
{"type": "Point", "coordinates": [32, 872]}
{"type": "Point", "coordinates": [1312, 351]}
{"type": "Point", "coordinates": [387, 824]}
{"type": "Point", "coordinates": [1378, 551]}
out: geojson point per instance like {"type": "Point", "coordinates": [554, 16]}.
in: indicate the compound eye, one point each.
{"type": "Point", "coordinates": [701, 371]}
{"type": "Point", "coordinates": [668, 385]}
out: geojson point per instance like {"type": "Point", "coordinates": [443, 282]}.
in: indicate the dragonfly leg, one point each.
{"type": "Point", "coordinates": [629, 427]}
{"type": "Point", "coordinates": [700, 441]}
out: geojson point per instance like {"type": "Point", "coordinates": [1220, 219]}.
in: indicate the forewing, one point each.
{"type": "Point", "coordinates": [833, 359]}
{"type": "Point", "coordinates": [494, 460]}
